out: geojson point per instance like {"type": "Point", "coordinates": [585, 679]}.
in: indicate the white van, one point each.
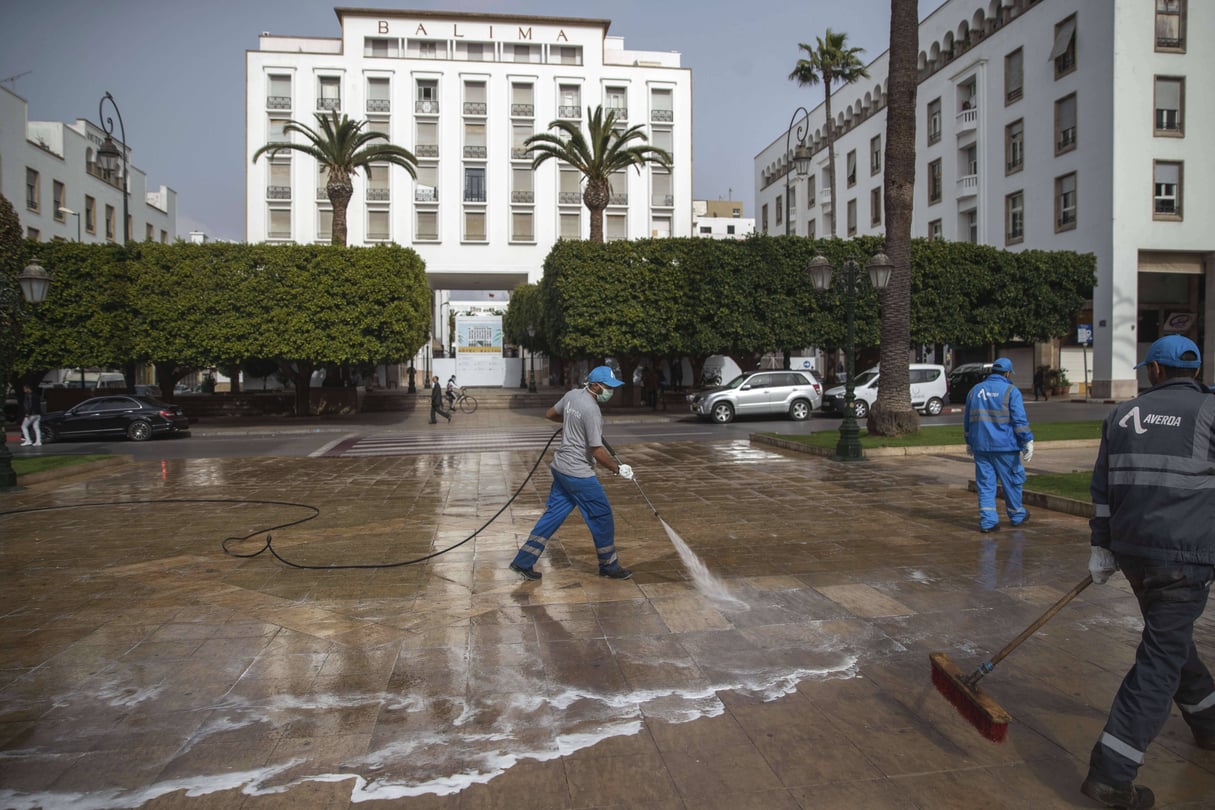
{"type": "Point", "coordinates": [929, 389]}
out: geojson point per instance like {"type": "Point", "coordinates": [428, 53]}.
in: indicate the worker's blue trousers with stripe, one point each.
{"type": "Point", "coordinates": [1005, 468]}
{"type": "Point", "coordinates": [588, 496]}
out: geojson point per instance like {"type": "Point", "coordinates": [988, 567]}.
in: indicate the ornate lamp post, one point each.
{"type": "Point", "coordinates": [531, 335]}
{"type": "Point", "coordinates": [109, 155]}
{"type": "Point", "coordinates": [849, 446]}
{"type": "Point", "coordinates": [801, 157]}
{"type": "Point", "coordinates": [34, 282]}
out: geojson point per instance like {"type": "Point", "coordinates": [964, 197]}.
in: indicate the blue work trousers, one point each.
{"type": "Point", "coordinates": [1005, 468]}
{"type": "Point", "coordinates": [588, 496]}
{"type": "Point", "coordinates": [1172, 596]}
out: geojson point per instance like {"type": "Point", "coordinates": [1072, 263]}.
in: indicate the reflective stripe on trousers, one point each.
{"type": "Point", "coordinates": [588, 496]}
{"type": "Point", "coordinates": [1006, 468]}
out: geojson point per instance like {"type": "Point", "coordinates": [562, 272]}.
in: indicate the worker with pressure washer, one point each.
{"type": "Point", "coordinates": [998, 436]}
{"type": "Point", "coordinates": [574, 481]}
{"type": "Point", "coordinates": [1153, 491]}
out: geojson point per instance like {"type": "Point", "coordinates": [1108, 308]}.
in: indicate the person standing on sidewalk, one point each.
{"type": "Point", "coordinates": [436, 401]}
{"type": "Point", "coordinates": [574, 481]}
{"type": "Point", "coordinates": [998, 436]}
{"type": "Point", "coordinates": [32, 423]}
{"type": "Point", "coordinates": [1153, 493]}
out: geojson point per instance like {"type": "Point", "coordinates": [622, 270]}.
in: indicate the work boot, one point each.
{"type": "Point", "coordinates": [1127, 796]}
{"type": "Point", "coordinates": [1204, 740]}
{"type": "Point", "coordinates": [1024, 520]}
{"type": "Point", "coordinates": [527, 573]}
{"type": "Point", "coordinates": [989, 529]}
{"type": "Point", "coordinates": [616, 572]}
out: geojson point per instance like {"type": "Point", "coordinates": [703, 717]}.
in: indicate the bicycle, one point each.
{"type": "Point", "coordinates": [458, 397]}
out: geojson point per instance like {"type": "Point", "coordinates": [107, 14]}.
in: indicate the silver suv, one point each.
{"type": "Point", "coordinates": [796, 393]}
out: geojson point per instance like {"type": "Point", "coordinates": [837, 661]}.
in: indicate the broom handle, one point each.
{"type": "Point", "coordinates": [1033, 628]}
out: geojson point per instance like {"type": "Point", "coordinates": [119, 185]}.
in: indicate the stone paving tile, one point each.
{"type": "Point", "coordinates": [140, 666]}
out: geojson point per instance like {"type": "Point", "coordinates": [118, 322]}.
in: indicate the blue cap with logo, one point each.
{"type": "Point", "coordinates": [1172, 351]}
{"type": "Point", "coordinates": [604, 376]}
{"type": "Point", "coordinates": [1002, 365]}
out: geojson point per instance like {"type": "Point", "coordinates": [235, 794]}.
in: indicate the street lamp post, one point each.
{"type": "Point", "coordinates": [801, 156]}
{"type": "Point", "coordinates": [849, 446]}
{"type": "Point", "coordinates": [531, 352]}
{"type": "Point", "coordinates": [76, 214]}
{"type": "Point", "coordinates": [34, 282]}
{"type": "Point", "coordinates": [108, 155]}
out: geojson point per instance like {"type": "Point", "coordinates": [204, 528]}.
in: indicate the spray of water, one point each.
{"type": "Point", "coordinates": [706, 583]}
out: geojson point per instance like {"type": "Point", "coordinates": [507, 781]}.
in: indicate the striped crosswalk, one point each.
{"type": "Point", "coordinates": [442, 439]}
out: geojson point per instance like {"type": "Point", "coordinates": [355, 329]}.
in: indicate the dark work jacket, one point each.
{"type": "Point", "coordinates": [436, 396]}
{"type": "Point", "coordinates": [1154, 481]}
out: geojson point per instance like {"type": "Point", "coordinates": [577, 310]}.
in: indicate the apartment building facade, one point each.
{"type": "Point", "coordinates": [462, 92]}
{"type": "Point", "coordinates": [1051, 125]}
{"type": "Point", "coordinates": [49, 172]}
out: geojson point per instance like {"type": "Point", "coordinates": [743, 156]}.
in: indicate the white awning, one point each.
{"type": "Point", "coordinates": [1063, 38]}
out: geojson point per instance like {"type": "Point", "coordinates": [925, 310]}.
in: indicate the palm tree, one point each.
{"type": "Point", "coordinates": [892, 414]}
{"type": "Point", "coordinates": [830, 61]}
{"type": "Point", "coordinates": [342, 147]}
{"type": "Point", "coordinates": [603, 151]}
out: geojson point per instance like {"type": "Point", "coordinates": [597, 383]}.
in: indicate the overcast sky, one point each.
{"type": "Point", "coordinates": [177, 71]}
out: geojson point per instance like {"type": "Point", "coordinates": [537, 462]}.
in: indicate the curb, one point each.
{"type": "Point", "coordinates": [1054, 503]}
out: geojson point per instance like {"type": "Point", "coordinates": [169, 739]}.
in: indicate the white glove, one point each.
{"type": "Point", "coordinates": [1101, 564]}
{"type": "Point", "coordinates": [625, 472]}
{"type": "Point", "coordinates": [1027, 452]}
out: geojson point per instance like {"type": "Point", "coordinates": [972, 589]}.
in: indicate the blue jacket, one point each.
{"type": "Point", "coordinates": [995, 420]}
{"type": "Point", "coordinates": [1154, 480]}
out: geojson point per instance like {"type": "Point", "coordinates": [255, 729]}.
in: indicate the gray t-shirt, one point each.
{"type": "Point", "coordinates": [583, 430]}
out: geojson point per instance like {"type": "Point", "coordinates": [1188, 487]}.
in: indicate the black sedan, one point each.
{"type": "Point", "coordinates": [138, 418]}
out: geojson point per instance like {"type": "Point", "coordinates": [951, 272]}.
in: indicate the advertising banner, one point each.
{"type": "Point", "coordinates": [479, 359]}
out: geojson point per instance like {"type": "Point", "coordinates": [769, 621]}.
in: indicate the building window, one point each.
{"type": "Point", "coordinates": [791, 206]}
{"type": "Point", "coordinates": [379, 95]}
{"type": "Point", "coordinates": [569, 101]}
{"type": "Point", "coordinates": [278, 186]}
{"type": "Point", "coordinates": [850, 163]}
{"type": "Point", "coordinates": [875, 206]}
{"type": "Point", "coordinates": [1065, 124]}
{"type": "Point", "coordinates": [57, 197]}
{"type": "Point", "coordinates": [475, 51]}
{"type": "Point", "coordinates": [1064, 51]}
{"type": "Point", "coordinates": [616, 101]}
{"type": "Point", "coordinates": [525, 53]}
{"type": "Point", "coordinates": [522, 100]}
{"type": "Point", "coordinates": [934, 181]}
{"type": "Point", "coordinates": [276, 130]}
{"type": "Point", "coordinates": [662, 105]}
{"type": "Point", "coordinates": [934, 231]}
{"type": "Point", "coordinates": [474, 140]}
{"type": "Point", "coordinates": [1170, 25]}
{"type": "Point", "coordinates": [324, 225]}
{"type": "Point", "coordinates": [427, 228]}
{"type": "Point", "coordinates": [329, 93]}
{"type": "Point", "coordinates": [934, 121]}
{"type": "Point", "coordinates": [1170, 98]}
{"type": "Point", "coordinates": [970, 224]}
{"type": "Point", "coordinates": [474, 184]}
{"type": "Point", "coordinates": [661, 190]}
{"type": "Point", "coordinates": [811, 227]}
{"type": "Point", "coordinates": [763, 218]}
{"type": "Point", "coordinates": [615, 227]}
{"type": "Point", "coordinates": [851, 217]}
{"type": "Point", "coordinates": [33, 190]}
{"type": "Point", "coordinates": [164, 236]}
{"type": "Point", "coordinates": [811, 194]}
{"type": "Point", "coordinates": [1014, 218]}
{"type": "Point", "coordinates": [279, 223]}
{"type": "Point", "coordinates": [570, 226]}
{"type": "Point", "coordinates": [565, 55]}
{"type": "Point", "coordinates": [519, 149]}
{"type": "Point", "coordinates": [278, 92]}
{"type": "Point", "coordinates": [427, 100]}
{"type": "Point", "coordinates": [521, 227]}
{"type": "Point", "coordinates": [569, 187]}
{"type": "Point", "coordinates": [1014, 147]}
{"type": "Point", "coordinates": [90, 214]}
{"type": "Point", "coordinates": [426, 49]}
{"type": "Point", "coordinates": [780, 211]}
{"type": "Point", "coordinates": [1166, 177]}
{"type": "Point", "coordinates": [474, 226]}
{"type": "Point", "coordinates": [426, 141]}
{"type": "Point", "coordinates": [1065, 202]}
{"type": "Point", "coordinates": [522, 185]}
{"type": "Point", "coordinates": [376, 46]}
{"type": "Point", "coordinates": [474, 98]}
{"type": "Point", "coordinates": [377, 225]}
{"type": "Point", "coordinates": [730, 230]}
{"type": "Point", "coordinates": [109, 222]}
{"type": "Point", "coordinates": [875, 155]}
{"type": "Point", "coordinates": [426, 183]}
{"type": "Point", "coordinates": [33, 233]}
{"type": "Point", "coordinates": [1013, 76]}
{"type": "Point", "coordinates": [148, 232]}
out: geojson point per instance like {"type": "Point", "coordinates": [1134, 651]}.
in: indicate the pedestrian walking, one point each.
{"type": "Point", "coordinates": [998, 436]}
{"type": "Point", "coordinates": [574, 482]}
{"type": "Point", "coordinates": [436, 401]}
{"type": "Point", "coordinates": [1040, 383]}
{"type": "Point", "coordinates": [1153, 491]}
{"type": "Point", "coordinates": [31, 425]}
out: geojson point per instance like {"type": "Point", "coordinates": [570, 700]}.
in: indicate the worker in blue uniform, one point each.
{"type": "Point", "coordinates": [998, 436]}
{"type": "Point", "coordinates": [1153, 493]}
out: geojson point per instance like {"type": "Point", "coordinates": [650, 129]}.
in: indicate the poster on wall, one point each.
{"type": "Point", "coordinates": [479, 359]}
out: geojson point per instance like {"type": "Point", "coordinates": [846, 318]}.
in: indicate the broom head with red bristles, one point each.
{"type": "Point", "coordinates": [981, 711]}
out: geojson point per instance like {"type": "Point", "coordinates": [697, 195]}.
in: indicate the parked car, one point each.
{"type": "Point", "coordinates": [796, 393]}
{"type": "Point", "coordinates": [137, 418]}
{"type": "Point", "coordinates": [929, 390]}
{"type": "Point", "coordinates": [965, 377]}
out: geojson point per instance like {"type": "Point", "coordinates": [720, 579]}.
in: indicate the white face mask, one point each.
{"type": "Point", "coordinates": [604, 394]}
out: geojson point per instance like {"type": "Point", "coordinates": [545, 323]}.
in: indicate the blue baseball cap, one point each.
{"type": "Point", "coordinates": [604, 376]}
{"type": "Point", "coordinates": [1171, 351]}
{"type": "Point", "coordinates": [1002, 366]}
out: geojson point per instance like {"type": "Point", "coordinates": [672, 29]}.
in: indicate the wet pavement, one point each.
{"type": "Point", "coordinates": [143, 667]}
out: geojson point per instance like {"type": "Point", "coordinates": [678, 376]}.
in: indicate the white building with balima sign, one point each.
{"type": "Point", "coordinates": [1050, 125]}
{"type": "Point", "coordinates": [463, 91]}
{"type": "Point", "coordinates": [49, 172]}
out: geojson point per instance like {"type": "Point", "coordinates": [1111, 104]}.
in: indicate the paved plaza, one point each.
{"type": "Point", "coordinates": [144, 667]}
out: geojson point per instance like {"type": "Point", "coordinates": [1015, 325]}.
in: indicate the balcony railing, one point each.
{"type": "Point", "coordinates": [278, 102]}
{"type": "Point", "coordinates": [426, 150]}
{"type": "Point", "coordinates": [377, 195]}
{"type": "Point", "coordinates": [569, 111]}
{"type": "Point", "coordinates": [520, 153]}
{"type": "Point", "coordinates": [379, 105]}
{"type": "Point", "coordinates": [1067, 217]}
{"type": "Point", "coordinates": [426, 194]}
{"type": "Point", "coordinates": [824, 197]}
{"type": "Point", "coordinates": [1014, 163]}
{"type": "Point", "coordinates": [278, 192]}
{"type": "Point", "coordinates": [329, 104]}
{"type": "Point", "coordinates": [427, 236]}
{"type": "Point", "coordinates": [1166, 205]}
{"type": "Point", "coordinates": [109, 178]}
{"type": "Point", "coordinates": [662, 115]}
{"type": "Point", "coordinates": [1013, 94]}
{"type": "Point", "coordinates": [473, 195]}
{"type": "Point", "coordinates": [618, 199]}
{"type": "Point", "coordinates": [1067, 138]}
{"type": "Point", "coordinates": [662, 200]}
{"type": "Point", "coordinates": [523, 196]}
{"type": "Point", "coordinates": [1170, 42]}
{"type": "Point", "coordinates": [569, 197]}
{"type": "Point", "coordinates": [968, 185]}
{"type": "Point", "coordinates": [474, 108]}
{"type": "Point", "coordinates": [622, 113]}
{"type": "Point", "coordinates": [523, 110]}
{"type": "Point", "coordinates": [322, 193]}
{"type": "Point", "coordinates": [426, 107]}
{"type": "Point", "coordinates": [474, 151]}
{"type": "Point", "coordinates": [968, 120]}
{"type": "Point", "coordinates": [377, 236]}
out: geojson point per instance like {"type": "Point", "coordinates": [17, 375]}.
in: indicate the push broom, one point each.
{"type": "Point", "coordinates": [963, 690]}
